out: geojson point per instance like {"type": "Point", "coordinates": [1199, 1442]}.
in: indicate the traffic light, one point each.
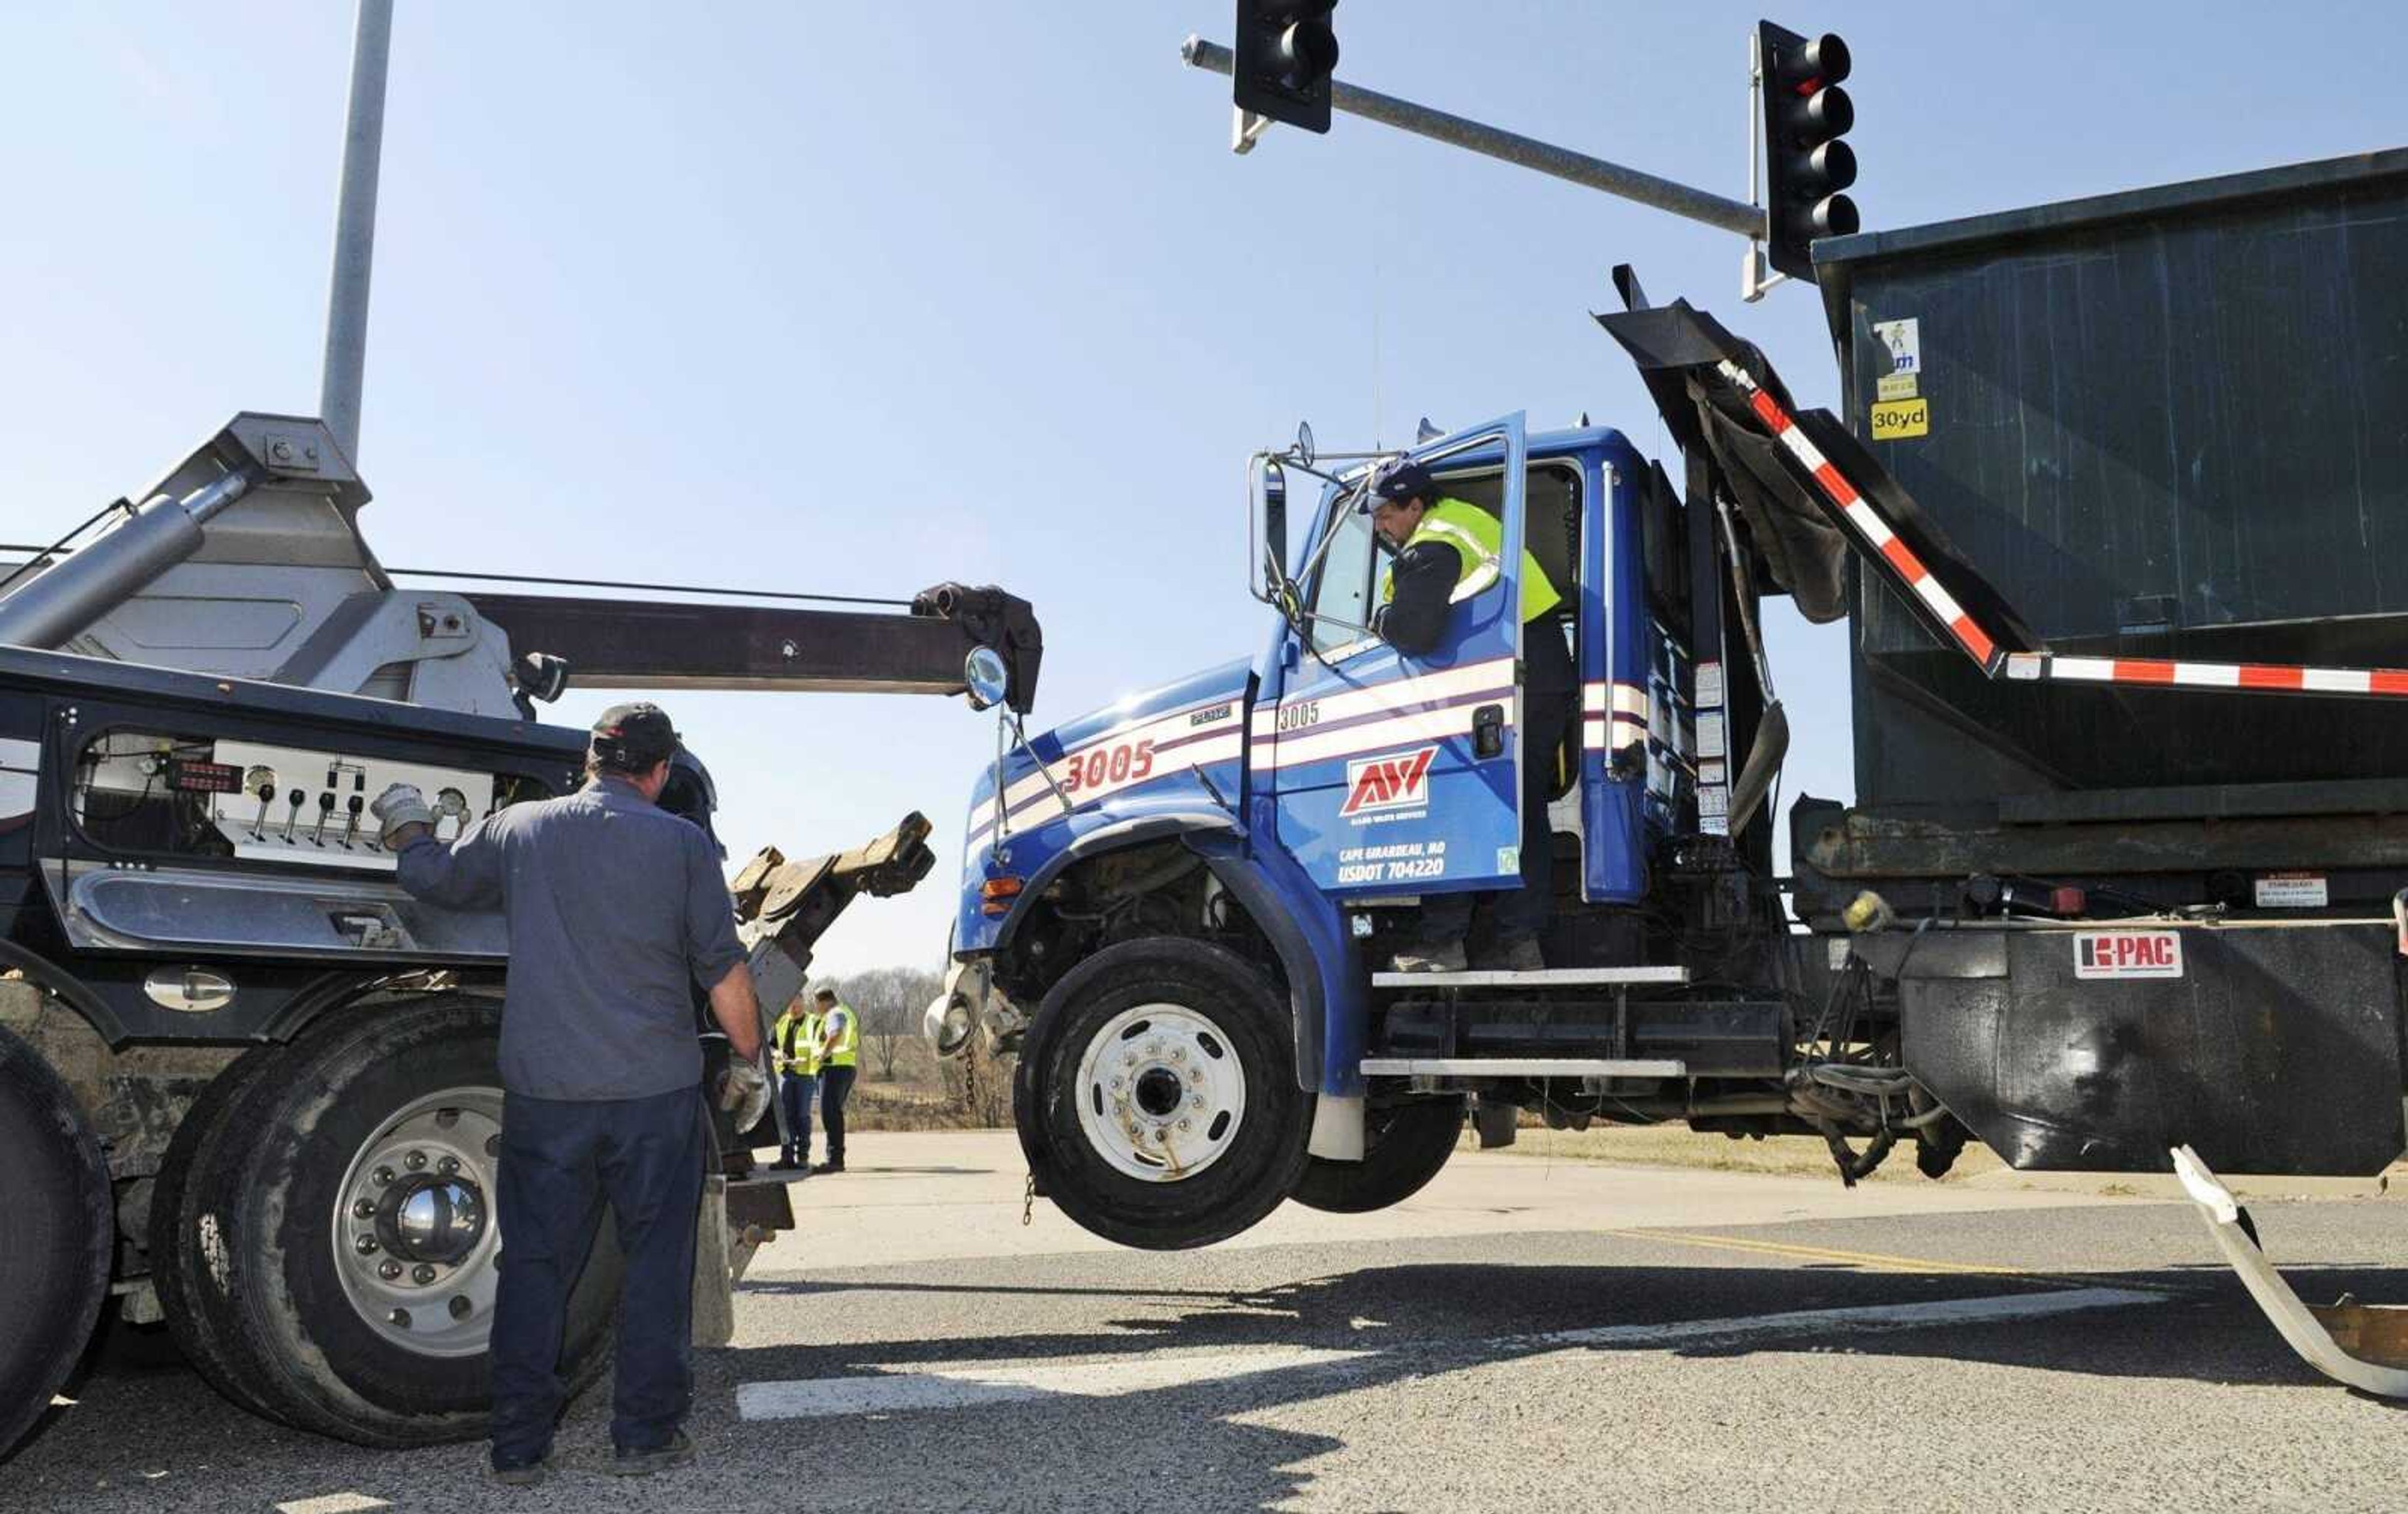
{"type": "Point", "coordinates": [1806, 166]}
{"type": "Point", "coordinates": [1285, 54]}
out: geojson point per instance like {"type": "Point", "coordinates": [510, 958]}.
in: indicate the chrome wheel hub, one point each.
{"type": "Point", "coordinates": [416, 1241]}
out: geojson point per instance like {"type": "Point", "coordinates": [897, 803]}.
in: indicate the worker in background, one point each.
{"type": "Point", "coordinates": [615, 907]}
{"type": "Point", "coordinates": [794, 1044]}
{"type": "Point", "coordinates": [1447, 551]}
{"type": "Point", "coordinates": [840, 1054]}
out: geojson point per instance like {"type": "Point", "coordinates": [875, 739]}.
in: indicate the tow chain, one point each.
{"type": "Point", "coordinates": [1028, 1202]}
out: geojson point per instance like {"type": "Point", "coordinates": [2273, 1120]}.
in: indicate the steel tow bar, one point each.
{"type": "Point", "coordinates": [2310, 1330]}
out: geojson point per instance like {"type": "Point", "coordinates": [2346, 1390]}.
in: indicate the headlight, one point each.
{"type": "Point", "coordinates": [948, 1024]}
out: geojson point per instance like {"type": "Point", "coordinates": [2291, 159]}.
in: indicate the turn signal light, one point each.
{"type": "Point", "coordinates": [996, 894]}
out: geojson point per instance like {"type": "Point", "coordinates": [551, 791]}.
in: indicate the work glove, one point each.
{"type": "Point", "coordinates": [399, 805]}
{"type": "Point", "coordinates": [744, 1093]}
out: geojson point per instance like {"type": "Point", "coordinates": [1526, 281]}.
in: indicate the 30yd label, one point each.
{"type": "Point", "coordinates": [2127, 954]}
{"type": "Point", "coordinates": [1894, 420]}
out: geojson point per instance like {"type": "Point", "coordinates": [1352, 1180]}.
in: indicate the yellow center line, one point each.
{"type": "Point", "coordinates": [1873, 1259]}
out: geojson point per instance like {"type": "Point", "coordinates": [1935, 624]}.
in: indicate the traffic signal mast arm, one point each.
{"type": "Point", "coordinates": [1706, 380]}
{"type": "Point", "coordinates": [1716, 211]}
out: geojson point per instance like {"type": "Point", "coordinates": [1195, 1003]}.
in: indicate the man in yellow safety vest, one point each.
{"type": "Point", "coordinates": [840, 1056]}
{"type": "Point", "coordinates": [795, 1045]}
{"type": "Point", "coordinates": [1447, 551]}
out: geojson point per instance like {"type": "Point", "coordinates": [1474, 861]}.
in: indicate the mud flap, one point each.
{"type": "Point", "coordinates": [2310, 1330]}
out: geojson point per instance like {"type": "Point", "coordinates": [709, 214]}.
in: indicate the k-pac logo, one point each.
{"type": "Point", "coordinates": [1394, 782]}
{"type": "Point", "coordinates": [2127, 954]}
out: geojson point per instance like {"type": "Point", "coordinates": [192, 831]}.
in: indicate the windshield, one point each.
{"type": "Point", "coordinates": [1340, 595]}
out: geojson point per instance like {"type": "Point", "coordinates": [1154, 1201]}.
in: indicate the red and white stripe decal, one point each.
{"type": "Point", "coordinates": [2145, 672]}
{"type": "Point", "coordinates": [1865, 519]}
{"type": "Point", "coordinates": [1613, 716]}
{"type": "Point", "coordinates": [2386, 683]}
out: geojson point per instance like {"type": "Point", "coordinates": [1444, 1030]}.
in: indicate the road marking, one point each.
{"type": "Point", "coordinates": [1875, 1260]}
{"type": "Point", "coordinates": [949, 1385]}
{"type": "Point", "coordinates": [952, 1385]}
{"type": "Point", "coordinates": [333, 1503]}
{"type": "Point", "coordinates": [1869, 1317]}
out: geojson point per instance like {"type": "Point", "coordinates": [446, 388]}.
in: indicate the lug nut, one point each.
{"type": "Point", "coordinates": [1153, 1049]}
{"type": "Point", "coordinates": [1196, 1074]}
{"type": "Point", "coordinates": [366, 1246]}
{"type": "Point", "coordinates": [448, 1166]}
{"type": "Point", "coordinates": [388, 1270]}
{"type": "Point", "coordinates": [1182, 1124]}
{"type": "Point", "coordinates": [414, 1161]}
{"type": "Point", "coordinates": [383, 1175]}
{"type": "Point", "coordinates": [493, 1145]}
{"type": "Point", "coordinates": [1179, 1054]}
{"type": "Point", "coordinates": [364, 1209]}
{"type": "Point", "coordinates": [422, 1274]}
{"type": "Point", "coordinates": [460, 1306]}
{"type": "Point", "coordinates": [400, 1317]}
{"type": "Point", "coordinates": [1195, 1102]}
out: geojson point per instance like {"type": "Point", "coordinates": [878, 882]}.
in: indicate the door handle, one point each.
{"type": "Point", "coordinates": [1488, 731]}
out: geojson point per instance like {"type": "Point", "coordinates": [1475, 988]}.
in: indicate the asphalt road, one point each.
{"type": "Point", "coordinates": [1527, 1335]}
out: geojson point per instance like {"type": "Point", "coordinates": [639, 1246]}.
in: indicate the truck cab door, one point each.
{"type": "Point", "coordinates": [1394, 774]}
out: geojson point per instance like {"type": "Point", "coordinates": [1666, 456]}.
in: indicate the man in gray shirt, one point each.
{"type": "Point", "coordinates": [615, 907]}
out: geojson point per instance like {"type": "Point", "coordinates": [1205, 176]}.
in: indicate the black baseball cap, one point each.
{"type": "Point", "coordinates": [1405, 480]}
{"type": "Point", "coordinates": [635, 736]}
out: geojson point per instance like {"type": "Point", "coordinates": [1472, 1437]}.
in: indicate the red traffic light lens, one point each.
{"type": "Point", "coordinates": [1825, 58]}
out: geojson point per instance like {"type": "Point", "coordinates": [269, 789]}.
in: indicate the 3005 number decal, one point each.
{"type": "Point", "coordinates": [1125, 763]}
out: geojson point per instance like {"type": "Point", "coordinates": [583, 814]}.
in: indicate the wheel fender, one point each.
{"type": "Point", "coordinates": [1315, 954]}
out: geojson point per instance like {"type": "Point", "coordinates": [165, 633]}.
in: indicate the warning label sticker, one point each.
{"type": "Point", "coordinates": [1904, 339]}
{"type": "Point", "coordinates": [2290, 892]}
{"type": "Point", "coordinates": [1896, 385]}
{"type": "Point", "coordinates": [1894, 420]}
{"type": "Point", "coordinates": [2127, 954]}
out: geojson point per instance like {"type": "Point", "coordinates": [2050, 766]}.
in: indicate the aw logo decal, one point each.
{"type": "Point", "coordinates": [1397, 781]}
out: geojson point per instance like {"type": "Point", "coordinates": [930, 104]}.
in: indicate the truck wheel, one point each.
{"type": "Point", "coordinates": [58, 1240]}
{"type": "Point", "coordinates": [1156, 1095]}
{"type": "Point", "coordinates": [335, 1241]}
{"type": "Point", "coordinates": [1404, 1144]}
{"type": "Point", "coordinates": [186, 1263]}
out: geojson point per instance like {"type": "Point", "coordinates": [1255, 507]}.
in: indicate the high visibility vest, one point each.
{"type": "Point", "coordinates": [796, 1035]}
{"type": "Point", "coordinates": [848, 1043]}
{"type": "Point", "coordinates": [1479, 538]}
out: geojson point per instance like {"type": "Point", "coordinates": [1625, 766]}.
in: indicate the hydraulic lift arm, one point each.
{"type": "Point", "coordinates": [614, 644]}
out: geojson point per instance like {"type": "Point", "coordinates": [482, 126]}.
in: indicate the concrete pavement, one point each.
{"type": "Point", "coordinates": [1526, 1333]}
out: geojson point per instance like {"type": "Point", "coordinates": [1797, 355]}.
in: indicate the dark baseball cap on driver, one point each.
{"type": "Point", "coordinates": [635, 736]}
{"type": "Point", "coordinates": [1400, 483]}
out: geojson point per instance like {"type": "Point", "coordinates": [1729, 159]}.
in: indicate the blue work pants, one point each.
{"type": "Point", "coordinates": [795, 1091]}
{"type": "Point", "coordinates": [835, 1084]}
{"type": "Point", "coordinates": [561, 1162]}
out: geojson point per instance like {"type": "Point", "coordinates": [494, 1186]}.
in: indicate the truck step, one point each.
{"type": "Point", "coordinates": [1520, 1066]}
{"type": "Point", "coordinates": [1550, 978]}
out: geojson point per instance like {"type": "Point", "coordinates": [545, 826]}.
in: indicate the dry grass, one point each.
{"type": "Point", "coordinates": [924, 1094]}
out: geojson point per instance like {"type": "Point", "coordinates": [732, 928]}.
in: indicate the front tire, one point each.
{"type": "Point", "coordinates": [335, 1244]}
{"type": "Point", "coordinates": [1404, 1145]}
{"type": "Point", "coordinates": [1156, 1095]}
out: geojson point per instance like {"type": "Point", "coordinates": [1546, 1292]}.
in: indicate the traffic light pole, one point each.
{"type": "Point", "coordinates": [1715, 210]}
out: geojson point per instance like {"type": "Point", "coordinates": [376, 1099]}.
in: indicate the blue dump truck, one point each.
{"type": "Point", "coordinates": [2117, 513]}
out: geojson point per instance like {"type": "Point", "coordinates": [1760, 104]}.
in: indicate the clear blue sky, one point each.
{"type": "Point", "coordinates": [854, 298]}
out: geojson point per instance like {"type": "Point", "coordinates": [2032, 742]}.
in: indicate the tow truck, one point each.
{"type": "Point", "coordinates": [246, 1084]}
{"type": "Point", "coordinates": [2113, 512]}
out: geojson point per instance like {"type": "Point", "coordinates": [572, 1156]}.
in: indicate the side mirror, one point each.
{"type": "Point", "coordinates": [987, 677]}
{"type": "Point", "coordinates": [1267, 528]}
